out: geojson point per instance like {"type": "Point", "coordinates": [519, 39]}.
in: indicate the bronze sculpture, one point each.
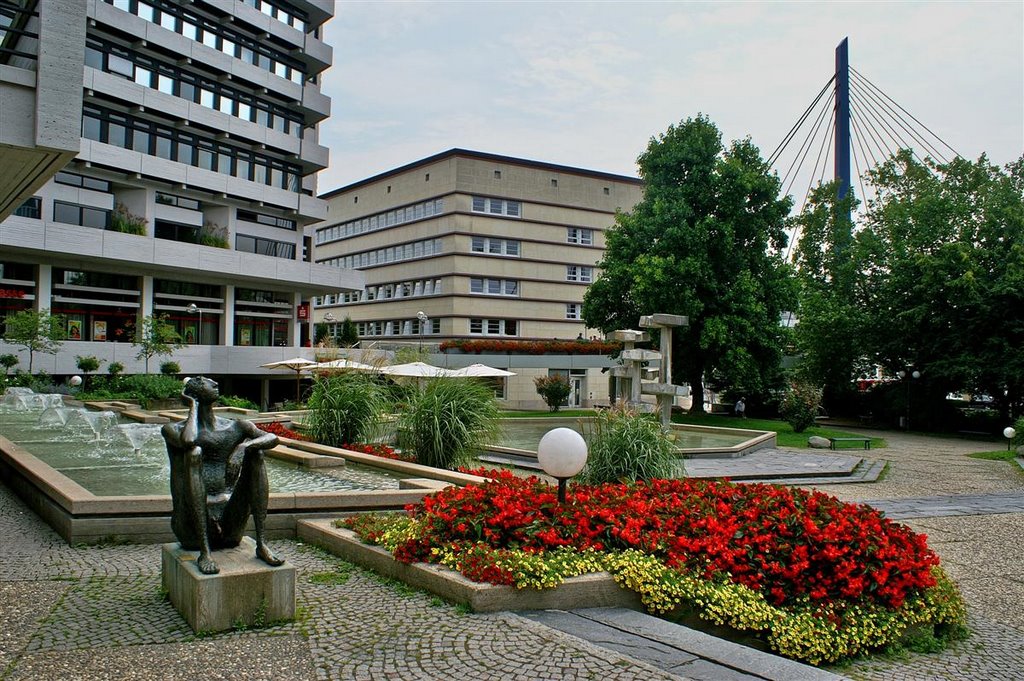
{"type": "Point", "coordinates": [218, 477]}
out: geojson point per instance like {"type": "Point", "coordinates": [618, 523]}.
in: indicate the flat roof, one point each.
{"type": "Point", "coordinates": [485, 157]}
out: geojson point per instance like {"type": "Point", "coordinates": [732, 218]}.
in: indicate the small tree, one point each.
{"type": "Point", "coordinates": [349, 335]}
{"type": "Point", "coordinates": [8, 362]}
{"type": "Point", "coordinates": [87, 365]}
{"type": "Point", "coordinates": [36, 331]}
{"type": "Point", "coordinates": [115, 369]}
{"type": "Point", "coordinates": [800, 405]}
{"type": "Point", "coordinates": [320, 333]}
{"type": "Point", "coordinates": [554, 389]}
{"type": "Point", "coordinates": [155, 336]}
{"type": "Point", "coordinates": [170, 368]}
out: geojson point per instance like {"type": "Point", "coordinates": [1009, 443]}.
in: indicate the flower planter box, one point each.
{"type": "Point", "coordinates": [591, 590]}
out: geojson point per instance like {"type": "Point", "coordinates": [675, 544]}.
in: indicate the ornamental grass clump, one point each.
{"type": "Point", "coordinates": [448, 420]}
{"type": "Point", "coordinates": [817, 579]}
{"type": "Point", "coordinates": [626, 445]}
{"type": "Point", "coordinates": [345, 407]}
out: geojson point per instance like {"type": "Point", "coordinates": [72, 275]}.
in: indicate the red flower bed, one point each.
{"type": "Point", "coordinates": [380, 450]}
{"type": "Point", "coordinates": [558, 347]}
{"type": "Point", "coordinates": [276, 428]}
{"type": "Point", "coordinates": [787, 543]}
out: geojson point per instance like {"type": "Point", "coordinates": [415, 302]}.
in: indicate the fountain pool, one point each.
{"type": "Point", "coordinates": [93, 477]}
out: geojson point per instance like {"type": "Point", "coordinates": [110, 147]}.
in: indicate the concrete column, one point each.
{"type": "Point", "coordinates": [227, 320]}
{"type": "Point", "coordinates": [44, 288]}
{"type": "Point", "coordinates": [145, 297]}
{"type": "Point", "coordinates": [665, 401]}
{"type": "Point", "coordinates": [295, 328]}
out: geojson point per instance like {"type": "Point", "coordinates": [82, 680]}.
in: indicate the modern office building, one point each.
{"type": "Point", "coordinates": [466, 244]}
{"type": "Point", "coordinates": [190, 182]}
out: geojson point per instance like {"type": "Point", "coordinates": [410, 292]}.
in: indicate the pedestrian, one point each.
{"type": "Point", "coordinates": [741, 408]}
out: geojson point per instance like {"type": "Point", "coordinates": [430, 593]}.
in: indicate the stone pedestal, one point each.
{"type": "Point", "coordinates": [246, 591]}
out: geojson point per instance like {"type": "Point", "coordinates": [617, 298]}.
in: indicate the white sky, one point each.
{"type": "Point", "coordinates": [587, 84]}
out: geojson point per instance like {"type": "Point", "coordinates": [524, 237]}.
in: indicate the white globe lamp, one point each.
{"type": "Point", "coordinates": [562, 453]}
{"type": "Point", "coordinates": [1009, 433]}
{"type": "Point", "coordinates": [75, 381]}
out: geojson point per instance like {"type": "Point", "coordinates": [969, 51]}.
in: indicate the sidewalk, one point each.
{"type": "Point", "coordinates": [97, 613]}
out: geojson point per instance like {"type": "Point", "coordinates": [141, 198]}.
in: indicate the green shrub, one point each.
{"type": "Point", "coordinates": [170, 368]}
{"type": "Point", "coordinates": [115, 369]}
{"type": "Point", "coordinates": [345, 408]}
{"type": "Point", "coordinates": [800, 405]}
{"type": "Point", "coordinates": [554, 389]}
{"type": "Point", "coordinates": [122, 220]}
{"type": "Point", "coordinates": [214, 235]}
{"type": "Point", "coordinates": [448, 420]}
{"type": "Point", "coordinates": [237, 402]}
{"type": "Point", "coordinates": [626, 445]}
{"type": "Point", "coordinates": [8, 361]}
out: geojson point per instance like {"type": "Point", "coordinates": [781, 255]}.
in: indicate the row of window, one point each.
{"type": "Point", "coordinates": [177, 201]}
{"type": "Point", "coordinates": [399, 327]}
{"type": "Point", "coordinates": [210, 34]}
{"type": "Point", "coordinates": [85, 216]}
{"type": "Point", "coordinates": [165, 142]}
{"type": "Point", "coordinates": [82, 181]}
{"type": "Point", "coordinates": [578, 235]}
{"type": "Point", "coordinates": [261, 246]}
{"type": "Point", "coordinates": [482, 244]}
{"type": "Point", "coordinates": [263, 219]}
{"type": "Point", "coordinates": [289, 16]}
{"type": "Point", "coordinates": [402, 289]}
{"type": "Point", "coordinates": [206, 92]}
{"type": "Point", "coordinates": [493, 327]}
{"type": "Point", "coordinates": [494, 287]}
{"type": "Point", "coordinates": [493, 206]}
{"type": "Point", "coordinates": [579, 273]}
{"type": "Point", "coordinates": [381, 256]}
{"type": "Point", "coordinates": [371, 223]}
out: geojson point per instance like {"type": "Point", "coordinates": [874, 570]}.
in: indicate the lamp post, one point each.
{"type": "Point", "coordinates": [562, 453]}
{"type": "Point", "coordinates": [915, 374]}
{"type": "Point", "coordinates": [422, 316]}
{"type": "Point", "coordinates": [1009, 433]}
{"type": "Point", "coordinates": [192, 309]}
{"type": "Point", "coordinates": [329, 318]}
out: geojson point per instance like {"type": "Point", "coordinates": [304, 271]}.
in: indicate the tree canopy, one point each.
{"type": "Point", "coordinates": [705, 241]}
{"type": "Point", "coordinates": [942, 273]}
{"type": "Point", "coordinates": [36, 331]}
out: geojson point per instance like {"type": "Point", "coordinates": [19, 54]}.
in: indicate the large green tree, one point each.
{"type": "Point", "coordinates": [829, 336]}
{"type": "Point", "coordinates": [942, 252]}
{"type": "Point", "coordinates": [705, 241]}
{"type": "Point", "coordinates": [36, 331]}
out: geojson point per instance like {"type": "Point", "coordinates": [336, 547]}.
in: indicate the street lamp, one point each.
{"type": "Point", "coordinates": [915, 374]}
{"type": "Point", "coordinates": [1009, 433]}
{"type": "Point", "coordinates": [193, 309]}
{"type": "Point", "coordinates": [329, 318]}
{"type": "Point", "coordinates": [422, 316]}
{"type": "Point", "coordinates": [562, 453]}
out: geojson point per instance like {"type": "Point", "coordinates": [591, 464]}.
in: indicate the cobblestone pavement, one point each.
{"type": "Point", "coordinates": [968, 509]}
{"type": "Point", "coordinates": [97, 612]}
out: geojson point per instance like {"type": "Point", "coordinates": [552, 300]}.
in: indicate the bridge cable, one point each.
{"type": "Point", "coordinates": [912, 117]}
{"type": "Point", "coordinates": [792, 131]}
{"type": "Point", "coordinates": [864, 90]}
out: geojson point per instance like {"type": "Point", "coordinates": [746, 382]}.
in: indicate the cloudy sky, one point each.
{"type": "Point", "coordinates": [587, 84]}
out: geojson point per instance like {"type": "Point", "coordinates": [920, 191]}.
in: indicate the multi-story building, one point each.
{"type": "Point", "coordinates": [466, 244]}
{"type": "Point", "coordinates": [195, 127]}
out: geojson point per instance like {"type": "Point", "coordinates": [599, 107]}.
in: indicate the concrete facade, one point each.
{"type": "Point", "coordinates": [194, 128]}
{"type": "Point", "coordinates": [484, 246]}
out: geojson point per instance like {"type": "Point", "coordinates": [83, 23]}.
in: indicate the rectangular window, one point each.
{"type": "Point", "coordinates": [33, 208]}
{"type": "Point", "coordinates": [190, 31]}
{"type": "Point", "coordinates": [209, 39]}
{"type": "Point", "coordinates": [576, 235]}
{"type": "Point", "coordinates": [146, 12]}
{"type": "Point", "coordinates": [91, 128]}
{"type": "Point", "coordinates": [165, 84]}
{"type": "Point", "coordinates": [143, 76]}
{"type": "Point", "coordinates": [168, 21]}
{"type": "Point", "coordinates": [206, 98]}
{"type": "Point", "coordinates": [478, 244]}
{"type": "Point", "coordinates": [512, 208]}
{"type": "Point", "coordinates": [572, 311]}
{"type": "Point", "coordinates": [140, 141]}
{"type": "Point", "coordinates": [226, 105]}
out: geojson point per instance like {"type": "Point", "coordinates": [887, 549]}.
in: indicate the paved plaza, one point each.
{"type": "Point", "coordinates": [98, 613]}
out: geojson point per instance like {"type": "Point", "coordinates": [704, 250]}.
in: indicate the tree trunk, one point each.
{"type": "Point", "coordinates": [696, 382]}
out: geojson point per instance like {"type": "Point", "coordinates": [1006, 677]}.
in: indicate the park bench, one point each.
{"type": "Point", "coordinates": [834, 440]}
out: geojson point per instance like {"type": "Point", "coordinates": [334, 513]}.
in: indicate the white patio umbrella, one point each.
{"type": "Point", "coordinates": [341, 364]}
{"type": "Point", "coordinates": [415, 370]}
{"type": "Point", "coordinates": [296, 364]}
{"type": "Point", "coordinates": [481, 371]}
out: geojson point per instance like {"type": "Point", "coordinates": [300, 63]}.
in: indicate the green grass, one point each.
{"type": "Point", "coordinates": [785, 437]}
{"type": "Point", "coordinates": [997, 455]}
{"type": "Point", "coordinates": [562, 413]}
